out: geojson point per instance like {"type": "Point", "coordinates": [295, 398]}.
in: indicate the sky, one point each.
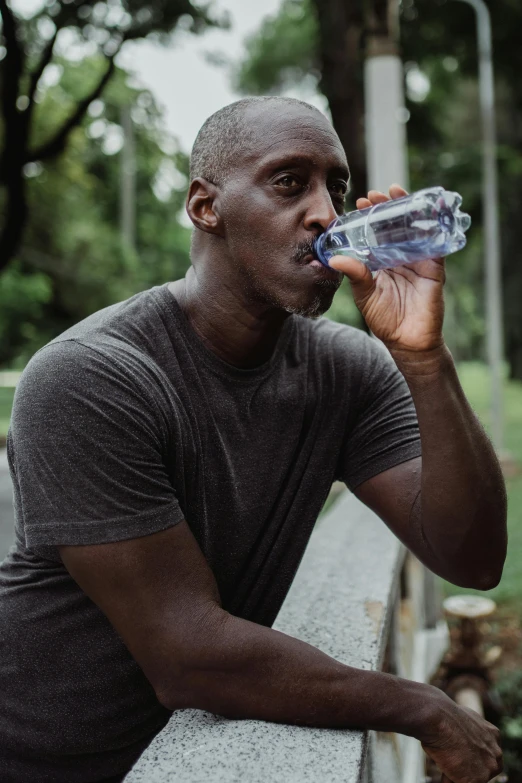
{"type": "Point", "coordinates": [183, 81]}
{"type": "Point", "coordinates": [185, 84]}
{"type": "Point", "coordinates": [188, 87]}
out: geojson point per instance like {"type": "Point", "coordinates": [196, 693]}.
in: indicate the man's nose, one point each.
{"type": "Point", "coordinates": [320, 212]}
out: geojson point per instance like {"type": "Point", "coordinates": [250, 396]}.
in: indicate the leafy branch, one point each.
{"type": "Point", "coordinates": [88, 18]}
{"type": "Point", "coordinates": [57, 143]}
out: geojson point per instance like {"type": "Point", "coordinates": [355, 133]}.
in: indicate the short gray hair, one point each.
{"type": "Point", "coordinates": [226, 134]}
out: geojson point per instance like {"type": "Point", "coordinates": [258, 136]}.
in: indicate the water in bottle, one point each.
{"type": "Point", "coordinates": [425, 224]}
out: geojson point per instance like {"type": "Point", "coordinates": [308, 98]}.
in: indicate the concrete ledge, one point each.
{"type": "Point", "coordinates": [341, 602]}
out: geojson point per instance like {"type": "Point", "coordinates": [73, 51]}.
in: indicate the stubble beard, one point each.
{"type": "Point", "coordinates": [319, 305]}
{"type": "Point", "coordinates": [321, 302]}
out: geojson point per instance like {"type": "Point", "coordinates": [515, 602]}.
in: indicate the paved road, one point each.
{"type": "Point", "coordinates": [6, 506]}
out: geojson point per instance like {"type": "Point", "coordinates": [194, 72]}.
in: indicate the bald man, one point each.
{"type": "Point", "coordinates": [170, 455]}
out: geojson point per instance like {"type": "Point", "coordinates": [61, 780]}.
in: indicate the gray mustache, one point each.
{"type": "Point", "coordinates": [303, 249]}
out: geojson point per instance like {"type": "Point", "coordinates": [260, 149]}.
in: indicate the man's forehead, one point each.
{"type": "Point", "coordinates": [292, 132]}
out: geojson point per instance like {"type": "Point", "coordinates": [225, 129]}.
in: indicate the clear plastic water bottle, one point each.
{"type": "Point", "coordinates": [425, 224]}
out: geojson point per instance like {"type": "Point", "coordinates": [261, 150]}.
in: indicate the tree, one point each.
{"type": "Point", "coordinates": [29, 46]}
{"type": "Point", "coordinates": [314, 44]}
{"type": "Point", "coordinates": [438, 41]}
{"type": "Point", "coordinates": [72, 261]}
{"type": "Point", "coordinates": [441, 35]}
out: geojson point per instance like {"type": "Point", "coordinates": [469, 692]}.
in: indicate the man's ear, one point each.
{"type": "Point", "coordinates": [202, 206]}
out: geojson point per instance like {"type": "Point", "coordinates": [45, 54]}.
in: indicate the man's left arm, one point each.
{"type": "Point", "coordinates": [448, 507]}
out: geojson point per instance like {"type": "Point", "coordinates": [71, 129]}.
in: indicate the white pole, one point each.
{"type": "Point", "coordinates": [493, 278]}
{"type": "Point", "coordinates": [385, 113]}
{"type": "Point", "coordinates": [386, 142]}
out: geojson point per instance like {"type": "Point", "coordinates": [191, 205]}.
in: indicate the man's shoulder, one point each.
{"type": "Point", "coordinates": [119, 338]}
{"type": "Point", "coordinates": [85, 366]}
{"type": "Point", "coordinates": [115, 320]}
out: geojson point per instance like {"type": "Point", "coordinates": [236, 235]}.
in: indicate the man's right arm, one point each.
{"type": "Point", "coordinates": [161, 597]}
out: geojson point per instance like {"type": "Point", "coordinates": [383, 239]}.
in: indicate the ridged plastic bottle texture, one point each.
{"type": "Point", "coordinates": [425, 224]}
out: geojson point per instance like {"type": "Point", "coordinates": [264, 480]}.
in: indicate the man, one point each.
{"type": "Point", "coordinates": [170, 455]}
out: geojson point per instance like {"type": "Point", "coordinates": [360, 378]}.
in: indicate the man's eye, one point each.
{"type": "Point", "coordinates": [339, 189]}
{"type": "Point", "coordinates": [289, 181]}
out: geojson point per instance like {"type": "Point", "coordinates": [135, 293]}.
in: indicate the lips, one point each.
{"type": "Point", "coordinates": [305, 260]}
{"type": "Point", "coordinates": [319, 269]}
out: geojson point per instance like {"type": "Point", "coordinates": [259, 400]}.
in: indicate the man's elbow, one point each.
{"type": "Point", "coordinates": [191, 670]}
{"type": "Point", "coordinates": [488, 581]}
{"type": "Point", "coordinates": [170, 679]}
{"type": "Point", "coordinates": [482, 572]}
{"type": "Point", "coordinates": [484, 580]}
{"type": "Point", "coordinates": [174, 696]}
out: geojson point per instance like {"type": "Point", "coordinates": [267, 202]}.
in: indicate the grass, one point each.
{"type": "Point", "coordinates": [474, 378]}
{"type": "Point", "coordinates": [6, 403]}
{"type": "Point", "coordinates": [475, 381]}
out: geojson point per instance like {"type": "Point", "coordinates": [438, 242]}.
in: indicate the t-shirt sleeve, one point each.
{"type": "Point", "coordinates": [88, 442]}
{"type": "Point", "coordinates": [382, 428]}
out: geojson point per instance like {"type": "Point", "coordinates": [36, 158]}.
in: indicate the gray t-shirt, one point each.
{"type": "Point", "coordinates": [125, 425]}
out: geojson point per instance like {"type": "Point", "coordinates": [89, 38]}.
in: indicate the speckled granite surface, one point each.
{"type": "Point", "coordinates": [338, 602]}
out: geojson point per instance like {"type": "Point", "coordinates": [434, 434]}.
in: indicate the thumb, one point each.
{"type": "Point", "coordinates": [357, 273]}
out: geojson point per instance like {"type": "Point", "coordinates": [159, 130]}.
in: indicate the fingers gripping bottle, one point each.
{"type": "Point", "coordinates": [425, 224]}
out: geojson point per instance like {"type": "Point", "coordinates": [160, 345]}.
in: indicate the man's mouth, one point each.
{"type": "Point", "coordinates": [312, 262]}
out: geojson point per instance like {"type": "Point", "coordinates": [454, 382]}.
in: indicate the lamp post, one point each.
{"type": "Point", "coordinates": [386, 143]}
{"type": "Point", "coordinates": [494, 336]}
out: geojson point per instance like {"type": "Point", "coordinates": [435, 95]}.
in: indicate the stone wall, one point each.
{"type": "Point", "coordinates": [357, 598]}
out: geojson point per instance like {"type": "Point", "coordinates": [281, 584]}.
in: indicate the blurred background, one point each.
{"type": "Point", "coordinates": [101, 101]}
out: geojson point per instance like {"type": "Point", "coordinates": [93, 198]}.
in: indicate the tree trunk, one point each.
{"type": "Point", "coordinates": [513, 321]}
{"type": "Point", "coordinates": [15, 139]}
{"type": "Point", "coordinates": [15, 216]}
{"type": "Point", "coordinates": [514, 357]}
{"type": "Point", "coordinates": [13, 180]}
{"type": "Point", "coordinates": [341, 57]}
{"type": "Point", "coordinates": [341, 54]}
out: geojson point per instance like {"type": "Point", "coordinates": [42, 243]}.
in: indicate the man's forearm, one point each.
{"type": "Point", "coordinates": [462, 505]}
{"type": "Point", "coordinates": [250, 671]}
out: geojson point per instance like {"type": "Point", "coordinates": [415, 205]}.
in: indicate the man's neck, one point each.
{"type": "Point", "coordinates": [241, 335]}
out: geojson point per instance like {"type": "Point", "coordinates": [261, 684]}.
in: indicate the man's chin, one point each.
{"type": "Point", "coordinates": [315, 308]}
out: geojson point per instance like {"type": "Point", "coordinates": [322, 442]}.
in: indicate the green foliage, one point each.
{"type": "Point", "coordinates": [510, 691]}
{"type": "Point", "coordinates": [65, 123]}
{"type": "Point", "coordinates": [32, 40]}
{"type": "Point", "coordinates": [509, 687]}
{"type": "Point", "coordinates": [438, 41]}
{"type": "Point", "coordinates": [439, 38]}
{"type": "Point", "coordinates": [283, 53]}
{"type": "Point", "coordinates": [72, 241]}
{"type": "Point", "coordinates": [22, 304]}
{"type": "Point", "coordinates": [103, 25]}
{"type": "Point", "coordinates": [6, 404]}
{"type": "Point", "coordinates": [343, 309]}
